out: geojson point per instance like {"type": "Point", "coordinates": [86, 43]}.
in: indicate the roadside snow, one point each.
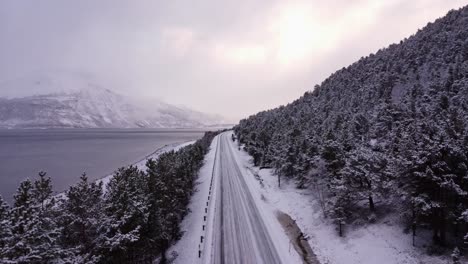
{"type": "Point", "coordinates": [381, 243]}
{"type": "Point", "coordinates": [187, 248]}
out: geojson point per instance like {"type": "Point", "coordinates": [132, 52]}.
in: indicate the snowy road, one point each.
{"type": "Point", "coordinates": [239, 233]}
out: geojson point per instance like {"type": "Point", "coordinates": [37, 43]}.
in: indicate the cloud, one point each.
{"type": "Point", "coordinates": [240, 54]}
{"type": "Point", "coordinates": [232, 57]}
{"type": "Point", "coordinates": [177, 40]}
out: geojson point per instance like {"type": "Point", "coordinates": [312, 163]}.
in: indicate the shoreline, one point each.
{"type": "Point", "coordinates": [139, 163]}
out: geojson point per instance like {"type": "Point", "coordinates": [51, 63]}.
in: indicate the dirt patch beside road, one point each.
{"type": "Point", "coordinates": [296, 237]}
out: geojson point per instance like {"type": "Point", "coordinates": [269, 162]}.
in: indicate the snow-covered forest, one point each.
{"type": "Point", "coordinates": [133, 219]}
{"type": "Point", "coordinates": [386, 135]}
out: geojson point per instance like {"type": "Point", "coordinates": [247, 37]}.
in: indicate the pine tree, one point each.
{"type": "Point", "coordinates": [456, 256]}
{"type": "Point", "coordinates": [126, 211]}
{"type": "Point", "coordinates": [339, 203]}
{"type": "Point", "coordinates": [34, 232]}
{"type": "Point", "coordinates": [165, 210]}
{"type": "Point", "coordinates": [23, 219]}
{"type": "Point", "coordinates": [464, 218]}
{"type": "Point", "coordinates": [5, 229]}
{"type": "Point", "coordinates": [166, 201]}
{"type": "Point", "coordinates": [366, 174]}
{"type": "Point", "coordinates": [42, 189]}
{"type": "Point", "coordinates": [48, 228]}
{"type": "Point", "coordinates": [81, 221]}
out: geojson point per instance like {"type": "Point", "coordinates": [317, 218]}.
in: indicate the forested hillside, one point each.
{"type": "Point", "coordinates": [386, 134]}
{"type": "Point", "coordinates": [134, 219]}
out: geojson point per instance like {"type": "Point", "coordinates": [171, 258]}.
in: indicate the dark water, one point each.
{"type": "Point", "coordinates": [66, 154]}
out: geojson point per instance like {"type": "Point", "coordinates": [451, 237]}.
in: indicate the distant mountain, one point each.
{"type": "Point", "coordinates": [73, 101]}
{"type": "Point", "coordinates": [389, 132]}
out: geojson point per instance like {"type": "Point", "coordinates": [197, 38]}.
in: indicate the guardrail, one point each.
{"type": "Point", "coordinates": [202, 245]}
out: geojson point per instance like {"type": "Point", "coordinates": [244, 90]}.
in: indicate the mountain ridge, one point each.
{"type": "Point", "coordinates": [70, 102]}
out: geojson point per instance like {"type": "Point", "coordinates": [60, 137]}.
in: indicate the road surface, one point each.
{"type": "Point", "coordinates": [239, 234]}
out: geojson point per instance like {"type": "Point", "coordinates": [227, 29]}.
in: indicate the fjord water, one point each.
{"type": "Point", "coordinates": [66, 154]}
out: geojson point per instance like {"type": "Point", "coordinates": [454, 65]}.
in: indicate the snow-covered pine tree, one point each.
{"type": "Point", "coordinates": [33, 229]}
{"type": "Point", "coordinates": [23, 218]}
{"type": "Point", "coordinates": [183, 182]}
{"type": "Point", "coordinates": [332, 154]}
{"type": "Point", "coordinates": [47, 244]}
{"type": "Point", "coordinates": [339, 203]}
{"type": "Point", "coordinates": [5, 229]}
{"type": "Point", "coordinates": [81, 221]}
{"type": "Point", "coordinates": [456, 256]}
{"type": "Point", "coordinates": [163, 221]}
{"type": "Point", "coordinates": [464, 218]}
{"type": "Point", "coordinates": [42, 189]}
{"type": "Point", "coordinates": [126, 214]}
{"type": "Point", "coordinates": [366, 174]}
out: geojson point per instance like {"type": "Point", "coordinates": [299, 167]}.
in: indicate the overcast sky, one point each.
{"type": "Point", "coordinates": [232, 57]}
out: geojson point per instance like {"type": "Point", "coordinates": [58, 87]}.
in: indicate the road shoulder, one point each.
{"type": "Point", "coordinates": [280, 239]}
{"type": "Point", "coordinates": [186, 250]}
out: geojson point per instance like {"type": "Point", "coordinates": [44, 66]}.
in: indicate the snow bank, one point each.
{"type": "Point", "coordinates": [187, 247]}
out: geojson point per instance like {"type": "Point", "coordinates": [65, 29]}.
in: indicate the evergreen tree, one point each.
{"type": "Point", "coordinates": [34, 232]}
{"type": "Point", "coordinates": [126, 214]}
{"type": "Point", "coordinates": [42, 189]}
{"type": "Point", "coordinates": [5, 229]}
{"type": "Point", "coordinates": [339, 203]}
{"type": "Point", "coordinates": [390, 128]}
{"type": "Point", "coordinates": [365, 173]}
{"type": "Point", "coordinates": [82, 220]}
{"type": "Point", "coordinates": [456, 256]}
{"type": "Point", "coordinates": [163, 202]}
{"type": "Point", "coordinates": [23, 219]}
{"type": "Point", "coordinates": [48, 228]}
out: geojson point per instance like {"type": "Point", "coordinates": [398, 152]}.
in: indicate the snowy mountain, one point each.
{"type": "Point", "coordinates": [73, 101]}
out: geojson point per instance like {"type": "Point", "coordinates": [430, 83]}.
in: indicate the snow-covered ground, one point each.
{"type": "Point", "coordinates": [382, 242]}
{"type": "Point", "coordinates": [187, 248]}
